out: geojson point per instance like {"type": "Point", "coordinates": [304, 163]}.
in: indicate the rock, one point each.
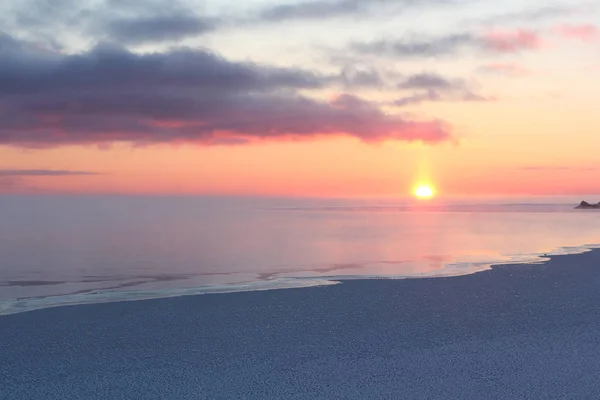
{"type": "Point", "coordinates": [587, 206]}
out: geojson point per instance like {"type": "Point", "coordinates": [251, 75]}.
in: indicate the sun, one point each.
{"type": "Point", "coordinates": [424, 191]}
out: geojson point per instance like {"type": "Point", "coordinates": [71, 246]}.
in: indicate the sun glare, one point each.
{"type": "Point", "coordinates": [424, 191]}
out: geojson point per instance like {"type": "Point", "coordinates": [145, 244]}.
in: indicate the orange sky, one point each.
{"type": "Point", "coordinates": [500, 149]}
{"type": "Point", "coordinates": [507, 106]}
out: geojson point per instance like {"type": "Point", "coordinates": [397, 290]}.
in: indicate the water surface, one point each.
{"type": "Point", "coordinates": [62, 250]}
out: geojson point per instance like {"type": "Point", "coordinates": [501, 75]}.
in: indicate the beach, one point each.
{"type": "Point", "coordinates": [512, 332]}
{"type": "Point", "coordinates": [299, 199]}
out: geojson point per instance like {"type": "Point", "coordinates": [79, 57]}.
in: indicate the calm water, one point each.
{"type": "Point", "coordinates": [63, 250]}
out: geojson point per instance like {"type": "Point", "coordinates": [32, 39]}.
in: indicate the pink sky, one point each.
{"type": "Point", "coordinates": [186, 103]}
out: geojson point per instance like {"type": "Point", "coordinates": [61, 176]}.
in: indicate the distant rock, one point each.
{"type": "Point", "coordinates": [587, 206]}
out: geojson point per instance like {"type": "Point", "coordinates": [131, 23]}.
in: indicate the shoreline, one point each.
{"type": "Point", "coordinates": [102, 296]}
{"type": "Point", "coordinates": [514, 331]}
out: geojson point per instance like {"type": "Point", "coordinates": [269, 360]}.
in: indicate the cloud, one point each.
{"type": "Point", "coordinates": [434, 95]}
{"type": "Point", "coordinates": [110, 94]}
{"type": "Point", "coordinates": [317, 9]}
{"type": "Point", "coordinates": [417, 47]}
{"type": "Point", "coordinates": [39, 13]}
{"type": "Point", "coordinates": [493, 42]}
{"type": "Point", "coordinates": [150, 21]}
{"type": "Point", "coordinates": [158, 28]}
{"type": "Point", "coordinates": [429, 81]}
{"type": "Point", "coordinates": [42, 172]}
{"type": "Point", "coordinates": [17, 180]}
{"type": "Point", "coordinates": [326, 9]}
{"type": "Point", "coordinates": [509, 69]}
{"type": "Point", "coordinates": [429, 95]}
{"type": "Point", "coordinates": [156, 21]}
{"type": "Point", "coordinates": [27, 71]}
{"type": "Point", "coordinates": [357, 76]}
{"type": "Point", "coordinates": [579, 32]}
{"type": "Point", "coordinates": [126, 22]}
{"type": "Point", "coordinates": [531, 15]}
{"type": "Point", "coordinates": [512, 41]}
{"type": "Point", "coordinates": [435, 87]}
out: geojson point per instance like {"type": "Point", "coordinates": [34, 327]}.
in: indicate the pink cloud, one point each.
{"type": "Point", "coordinates": [512, 41]}
{"type": "Point", "coordinates": [578, 32]}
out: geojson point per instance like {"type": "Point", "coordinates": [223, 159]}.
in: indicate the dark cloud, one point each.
{"type": "Point", "coordinates": [129, 22]}
{"type": "Point", "coordinates": [156, 21]}
{"type": "Point", "coordinates": [434, 95]}
{"type": "Point", "coordinates": [429, 95]}
{"type": "Point", "coordinates": [42, 172]}
{"type": "Point", "coordinates": [316, 9]}
{"type": "Point", "coordinates": [110, 94]}
{"type": "Point", "coordinates": [158, 28]}
{"type": "Point", "coordinates": [9, 45]}
{"type": "Point", "coordinates": [17, 180]}
{"type": "Point", "coordinates": [418, 47]}
{"type": "Point", "coordinates": [26, 71]}
{"type": "Point", "coordinates": [47, 22]}
{"type": "Point", "coordinates": [145, 6]}
{"type": "Point", "coordinates": [429, 81]}
{"type": "Point", "coordinates": [325, 9]}
{"type": "Point", "coordinates": [434, 87]}
{"type": "Point", "coordinates": [152, 21]}
{"type": "Point", "coordinates": [357, 76]}
{"type": "Point", "coordinates": [512, 41]}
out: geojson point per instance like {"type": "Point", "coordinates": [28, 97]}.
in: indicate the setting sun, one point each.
{"type": "Point", "coordinates": [424, 192]}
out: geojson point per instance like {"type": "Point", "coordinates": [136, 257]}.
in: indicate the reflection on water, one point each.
{"type": "Point", "coordinates": [52, 246]}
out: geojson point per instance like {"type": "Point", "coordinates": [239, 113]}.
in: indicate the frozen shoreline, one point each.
{"type": "Point", "coordinates": [514, 331]}
{"type": "Point", "coordinates": [279, 281]}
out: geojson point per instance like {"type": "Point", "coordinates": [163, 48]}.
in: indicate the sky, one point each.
{"type": "Point", "coordinates": [311, 98]}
